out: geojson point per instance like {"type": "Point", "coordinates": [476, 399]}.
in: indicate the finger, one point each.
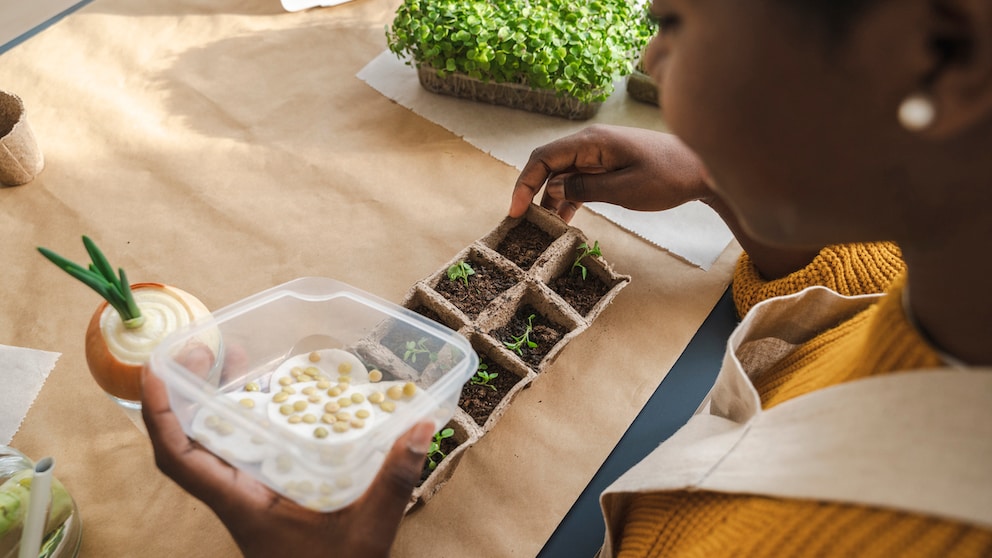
{"type": "Point", "coordinates": [554, 198]}
{"type": "Point", "coordinates": [189, 465]}
{"type": "Point", "coordinates": [389, 494]}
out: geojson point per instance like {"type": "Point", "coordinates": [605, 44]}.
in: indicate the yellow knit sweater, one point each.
{"type": "Point", "coordinates": [879, 340]}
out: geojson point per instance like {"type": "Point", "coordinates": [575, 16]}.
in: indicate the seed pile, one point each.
{"type": "Point", "coordinates": [326, 396]}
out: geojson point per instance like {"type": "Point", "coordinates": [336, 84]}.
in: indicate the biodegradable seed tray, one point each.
{"type": "Point", "coordinates": [533, 254]}
{"type": "Point", "coordinates": [506, 94]}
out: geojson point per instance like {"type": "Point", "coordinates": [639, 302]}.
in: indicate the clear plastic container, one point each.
{"type": "Point", "coordinates": [307, 385]}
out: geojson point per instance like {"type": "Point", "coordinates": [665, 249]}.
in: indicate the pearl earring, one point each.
{"type": "Point", "coordinates": [917, 112]}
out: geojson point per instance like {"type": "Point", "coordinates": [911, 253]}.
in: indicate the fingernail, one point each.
{"type": "Point", "coordinates": [420, 437]}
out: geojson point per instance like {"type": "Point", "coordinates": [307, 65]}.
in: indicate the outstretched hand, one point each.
{"type": "Point", "coordinates": [631, 167]}
{"type": "Point", "coordinates": [264, 523]}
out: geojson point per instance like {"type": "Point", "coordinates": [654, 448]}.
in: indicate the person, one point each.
{"type": "Point", "coordinates": [846, 143]}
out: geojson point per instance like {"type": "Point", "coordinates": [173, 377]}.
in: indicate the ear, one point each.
{"type": "Point", "coordinates": [960, 79]}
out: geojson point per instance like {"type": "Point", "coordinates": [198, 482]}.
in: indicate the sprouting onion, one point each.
{"type": "Point", "coordinates": [133, 320]}
{"type": "Point", "coordinates": [100, 277]}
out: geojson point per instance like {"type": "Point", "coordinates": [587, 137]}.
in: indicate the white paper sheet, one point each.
{"type": "Point", "coordinates": [18, 17]}
{"type": "Point", "coordinates": [693, 231]}
{"type": "Point", "coordinates": [22, 374]}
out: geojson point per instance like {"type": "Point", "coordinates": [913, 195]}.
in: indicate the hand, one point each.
{"type": "Point", "coordinates": [631, 167]}
{"type": "Point", "coordinates": [264, 523]}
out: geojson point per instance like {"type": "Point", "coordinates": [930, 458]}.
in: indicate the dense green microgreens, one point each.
{"type": "Point", "coordinates": [460, 270]}
{"type": "Point", "coordinates": [434, 454]}
{"type": "Point", "coordinates": [99, 276]}
{"type": "Point", "coordinates": [482, 377]}
{"type": "Point", "coordinates": [415, 348]}
{"type": "Point", "coordinates": [518, 342]}
{"type": "Point", "coordinates": [574, 47]}
{"type": "Point", "coordinates": [584, 250]}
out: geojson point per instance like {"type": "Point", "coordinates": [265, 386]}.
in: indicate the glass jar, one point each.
{"type": "Point", "coordinates": [64, 530]}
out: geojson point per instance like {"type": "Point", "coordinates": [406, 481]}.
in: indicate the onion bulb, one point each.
{"type": "Point", "coordinates": [116, 353]}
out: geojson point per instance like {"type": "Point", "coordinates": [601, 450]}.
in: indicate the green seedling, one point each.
{"type": "Point", "coordinates": [579, 49]}
{"type": "Point", "coordinates": [460, 270]}
{"type": "Point", "coordinates": [416, 348]}
{"type": "Point", "coordinates": [482, 377]}
{"type": "Point", "coordinates": [584, 250]}
{"type": "Point", "coordinates": [435, 455]}
{"type": "Point", "coordinates": [100, 276]}
{"type": "Point", "coordinates": [519, 342]}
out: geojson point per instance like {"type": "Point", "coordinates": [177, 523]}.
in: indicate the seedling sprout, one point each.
{"type": "Point", "coordinates": [460, 270]}
{"type": "Point", "coordinates": [584, 250]}
{"type": "Point", "coordinates": [435, 455]}
{"type": "Point", "coordinates": [519, 342]}
{"type": "Point", "coordinates": [482, 377]}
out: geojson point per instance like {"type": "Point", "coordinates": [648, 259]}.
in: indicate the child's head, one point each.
{"type": "Point", "coordinates": [793, 106]}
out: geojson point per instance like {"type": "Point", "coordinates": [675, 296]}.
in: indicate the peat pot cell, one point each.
{"type": "Point", "coordinates": [486, 390]}
{"type": "Point", "coordinates": [524, 244]}
{"type": "Point", "coordinates": [473, 287]}
{"type": "Point", "coordinates": [529, 334]}
{"type": "Point", "coordinates": [581, 292]}
{"type": "Point", "coordinates": [415, 349]}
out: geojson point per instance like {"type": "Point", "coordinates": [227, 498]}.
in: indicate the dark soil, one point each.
{"type": "Point", "coordinates": [480, 401]}
{"type": "Point", "coordinates": [524, 244]}
{"type": "Point", "coordinates": [448, 445]}
{"type": "Point", "coordinates": [484, 285]}
{"type": "Point", "coordinates": [544, 332]}
{"type": "Point", "coordinates": [581, 294]}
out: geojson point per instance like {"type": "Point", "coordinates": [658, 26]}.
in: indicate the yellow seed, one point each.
{"type": "Point", "coordinates": [344, 401]}
{"type": "Point", "coordinates": [340, 427]}
{"type": "Point", "coordinates": [343, 416]}
{"type": "Point", "coordinates": [332, 407]}
{"type": "Point", "coordinates": [311, 371]}
{"type": "Point", "coordinates": [314, 357]}
{"type": "Point", "coordinates": [334, 391]}
{"type": "Point", "coordinates": [285, 381]}
{"type": "Point", "coordinates": [387, 406]}
{"type": "Point", "coordinates": [344, 368]}
{"type": "Point", "coordinates": [344, 381]}
{"type": "Point", "coordinates": [357, 423]}
{"type": "Point", "coordinates": [362, 413]}
{"type": "Point", "coordinates": [314, 399]}
{"type": "Point", "coordinates": [294, 419]}
{"type": "Point", "coordinates": [280, 397]}
{"type": "Point", "coordinates": [247, 403]}
{"type": "Point", "coordinates": [323, 384]}
{"type": "Point", "coordinates": [289, 389]}
{"type": "Point", "coordinates": [212, 421]}
{"type": "Point", "coordinates": [395, 392]}
{"type": "Point", "coordinates": [299, 405]}
{"type": "Point", "coordinates": [309, 419]}
{"type": "Point", "coordinates": [252, 386]}
{"type": "Point", "coordinates": [320, 432]}
{"type": "Point", "coordinates": [328, 418]}
{"type": "Point", "coordinates": [343, 482]}
{"type": "Point", "coordinates": [225, 429]}
{"type": "Point", "coordinates": [325, 488]}
{"type": "Point", "coordinates": [376, 397]}
{"type": "Point", "coordinates": [286, 409]}
{"type": "Point", "coordinates": [409, 389]}
{"type": "Point", "coordinates": [309, 390]}
{"type": "Point", "coordinates": [375, 376]}
{"type": "Point", "coordinates": [305, 487]}
{"type": "Point", "coordinates": [357, 397]}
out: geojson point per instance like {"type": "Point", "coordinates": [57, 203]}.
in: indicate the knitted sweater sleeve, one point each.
{"type": "Point", "coordinates": [848, 269]}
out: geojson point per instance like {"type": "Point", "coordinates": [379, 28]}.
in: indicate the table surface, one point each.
{"type": "Point", "coordinates": [226, 147]}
